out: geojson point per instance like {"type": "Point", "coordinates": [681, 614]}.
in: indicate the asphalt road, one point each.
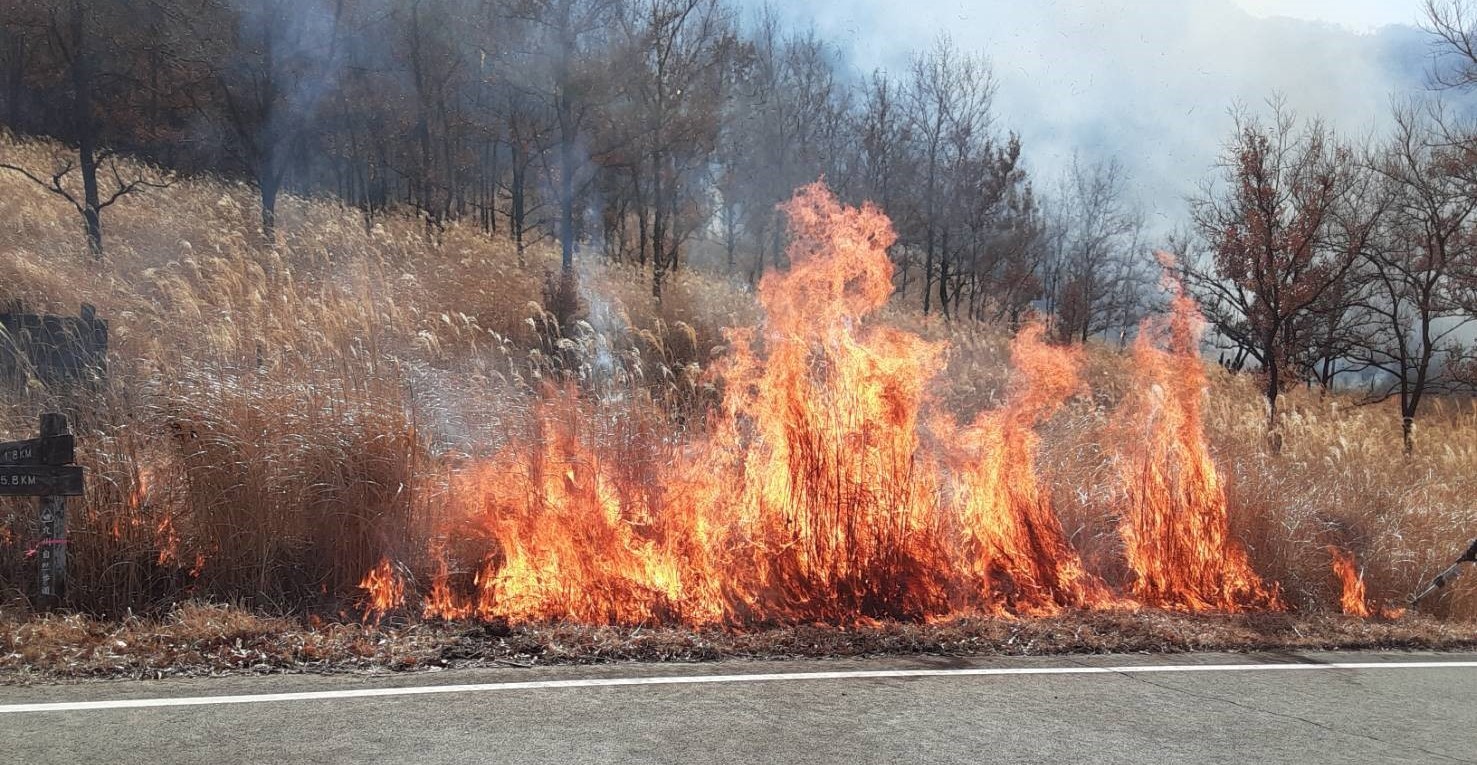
{"type": "Point", "coordinates": [1160, 710]}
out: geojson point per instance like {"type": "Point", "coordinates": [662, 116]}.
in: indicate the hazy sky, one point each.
{"type": "Point", "coordinates": [1358, 15]}
{"type": "Point", "coordinates": [1151, 81]}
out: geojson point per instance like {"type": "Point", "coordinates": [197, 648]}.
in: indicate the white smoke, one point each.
{"type": "Point", "coordinates": [1150, 81]}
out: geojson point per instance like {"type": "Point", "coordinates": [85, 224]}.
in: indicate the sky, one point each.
{"type": "Point", "coordinates": [1356, 15]}
{"type": "Point", "coordinates": [1152, 82]}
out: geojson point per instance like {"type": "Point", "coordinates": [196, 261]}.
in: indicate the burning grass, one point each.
{"type": "Point", "coordinates": [370, 420]}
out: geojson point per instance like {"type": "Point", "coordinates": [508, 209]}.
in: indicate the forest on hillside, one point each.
{"type": "Point", "coordinates": [664, 133]}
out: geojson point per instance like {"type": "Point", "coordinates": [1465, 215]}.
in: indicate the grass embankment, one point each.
{"type": "Point", "coordinates": [278, 421]}
{"type": "Point", "coordinates": [195, 640]}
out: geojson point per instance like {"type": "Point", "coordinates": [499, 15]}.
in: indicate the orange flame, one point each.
{"type": "Point", "coordinates": [384, 588]}
{"type": "Point", "coordinates": [1353, 599]}
{"type": "Point", "coordinates": [441, 602]}
{"type": "Point", "coordinates": [139, 504]}
{"type": "Point", "coordinates": [824, 489]}
{"type": "Point", "coordinates": [134, 504]}
{"type": "Point", "coordinates": [1016, 543]}
{"type": "Point", "coordinates": [142, 485]}
{"type": "Point", "coordinates": [1175, 523]}
{"type": "Point", "coordinates": [166, 536]}
{"type": "Point", "coordinates": [829, 486]}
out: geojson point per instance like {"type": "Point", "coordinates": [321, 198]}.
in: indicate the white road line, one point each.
{"type": "Point", "coordinates": [605, 682]}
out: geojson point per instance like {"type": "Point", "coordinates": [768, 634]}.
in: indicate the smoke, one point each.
{"type": "Point", "coordinates": [1149, 81]}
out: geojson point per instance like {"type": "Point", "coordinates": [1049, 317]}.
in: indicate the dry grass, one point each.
{"type": "Point", "coordinates": [278, 421]}
{"type": "Point", "coordinates": [1340, 478]}
{"type": "Point", "coordinates": [196, 639]}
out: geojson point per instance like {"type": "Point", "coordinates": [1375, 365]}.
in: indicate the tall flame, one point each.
{"type": "Point", "coordinates": [1016, 544]}
{"type": "Point", "coordinates": [1175, 525]}
{"type": "Point", "coordinates": [825, 488]}
{"type": "Point", "coordinates": [830, 487]}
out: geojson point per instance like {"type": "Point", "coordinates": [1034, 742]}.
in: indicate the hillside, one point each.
{"type": "Point", "coordinates": [277, 425]}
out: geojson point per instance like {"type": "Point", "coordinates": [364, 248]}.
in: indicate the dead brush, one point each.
{"type": "Point", "coordinates": [277, 423]}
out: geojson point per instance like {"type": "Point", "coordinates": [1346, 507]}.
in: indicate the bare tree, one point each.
{"type": "Point", "coordinates": [677, 51]}
{"type": "Point", "coordinates": [75, 34]}
{"type": "Point", "coordinates": [569, 36]}
{"type": "Point", "coordinates": [272, 64]}
{"type": "Point", "coordinates": [16, 52]}
{"type": "Point", "coordinates": [992, 235]}
{"type": "Point", "coordinates": [1277, 241]}
{"type": "Point", "coordinates": [785, 102]}
{"type": "Point", "coordinates": [1415, 294]}
{"type": "Point", "coordinates": [1454, 25]}
{"type": "Point", "coordinates": [949, 108]}
{"type": "Point", "coordinates": [439, 66]}
{"type": "Point", "coordinates": [1094, 280]}
{"type": "Point", "coordinates": [661, 115]}
{"type": "Point", "coordinates": [885, 161]}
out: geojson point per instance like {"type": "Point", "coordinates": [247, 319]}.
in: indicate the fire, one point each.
{"type": "Point", "coordinates": [139, 504]}
{"type": "Point", "coordinates": [829, 486]}
{"type": "Point", "coordinates": [1016, 543]}
{"type": "Point", "coordinates": [143, 484]}
{"type": "Point", "coordinates": [441, 602]}
{"type": "Point", "coordinates": [813, 497]}
{"type": "Point", "coordinates": [567, 528]}
{"type": "Point", "coordinates": [166, 536]}
{"type": "Point", "coordinates": [168, 540]}
{"type": "Point", "coordinates": [1353, 600]}
{"type": "Point", "coordinates": [826, 488]}
{"type": "Point", "coordinates": [135, 503]}
{"type": "Point", "coordinates": [1175, 523]}
{"type": "Point", "coordinates": [384, 589]}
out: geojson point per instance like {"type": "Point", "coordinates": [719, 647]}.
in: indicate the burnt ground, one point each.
{"type": "Point", "coordinates": [202, 640]}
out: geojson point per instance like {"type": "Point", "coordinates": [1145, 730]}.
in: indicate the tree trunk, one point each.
{"type": "Point", "coordinates": [928, 271]}
{"type": "Point", "coordinates": [1274, 389]}
{"type": "Point", "coordinates": [15, 81]}
{"type": "Point", "coordinates": [943, 284]}
{"type": "Point", "coordinates": [676, 254]}
{"type": "Point", "coordinates": [758, 269]}
{"type": "Point", "coordinates": [92, 222]}
{"type": "Point", "coordinates": [658, 228]}
{"type": "Point", "coordinates": [730, 233]}
{"type": "Point", "coordinates": [269, 184]}
{"type": "Point", "coordinates": [86, 137]}
{"type": "Point", "coordinates": [490, 177]}
{"type": "Point", "coordinates": [566, 188]}
{"type": "Point", "coordinates": [518, 212]}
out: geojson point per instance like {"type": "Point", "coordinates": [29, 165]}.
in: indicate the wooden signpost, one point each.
{"type": "Point", "coordinates": [42, 467]}
{"type": "Point", "coordinates": [64, 353]}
